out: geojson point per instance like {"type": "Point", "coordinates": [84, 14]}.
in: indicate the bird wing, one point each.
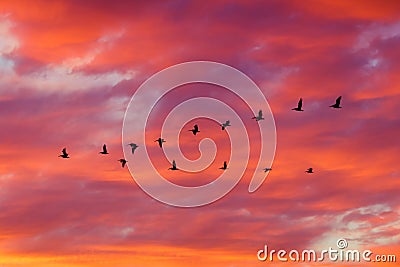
{"type": "Point", "coordinates": [196, 128]}
{"type": "Point", "coordinates": [300, 104]}
{"type": "Point", "coordinates": [64, 151]}
{"type": "Point", "coordinates": [123, 163]}
{"type": "Point", "coordinates": [227, 123]}
{"type": "Point", "coordinates": [260, 113]}
{"type": "Point", "coordinates": [225, 165]}
{"type": "Point", "coordinates": [104, 148]}
{"type": "Point", "coordinates": [338, 100]}
{"type": "Point", "coordinates": [173, 164]}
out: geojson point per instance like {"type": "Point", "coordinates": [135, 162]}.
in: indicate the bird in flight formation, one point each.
{"type": "Point", "coordinates": [225, 166]}
{"type": "Point", "coordinates": [259, 116]}
{"type": "Point", "coordinates": [225, 124]}
{"type": "Point", "coordinates": [299, 105]}
{"type": "Point", "coordinates": [309, 170]}
{"type": "Point", "coordinates": [173, 168]}
{"type": "Point", "coordinates": [64, 154]}
{"type": "Point", "coordinates": [195, 129]}
{"type": "Point", "coordinates": [133, 146]}
{"type": "Point", "coordinates": [337, 104]}
{"type": "Point", "coordinates": [160, 141]}
{"type": "Point", "coordinates": [267, 169]}
{"type": "Point", "coordinates": [299, 108]}
{"type": "Point", "coordinates": [123, 162]}
{"type": "Point", "coordinates": [104, 152]}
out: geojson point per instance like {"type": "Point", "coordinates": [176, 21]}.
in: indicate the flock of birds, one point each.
{"type": "Point", "coordinates": [196, 130]}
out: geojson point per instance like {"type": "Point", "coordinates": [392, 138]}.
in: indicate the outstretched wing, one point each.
{"type": "Point", "coordinates": [338, 100]}
{"type": "Point", "coordinates": [104, 148]}
{"type": "Point", "coordinates": [64, 151]}
{"type": "Point", "coordinates": [196, 128]}
{"type": "Point", "coordinates": [300, 104]}
{"type": "Point", "coordinates": [260, 113]}
{"type": "Point", "coordinates": [225, 165]}
{"type": "Point", "coordinates": [174, 164]}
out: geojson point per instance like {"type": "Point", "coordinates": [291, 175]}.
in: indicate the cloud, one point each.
{"type": "Point", "coordinates": [8, 42]}
{"type": "Point", "coordinates": [68, 70]}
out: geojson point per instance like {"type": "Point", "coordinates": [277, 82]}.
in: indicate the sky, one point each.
{"type": "Point", "coordinates": [68, 70]}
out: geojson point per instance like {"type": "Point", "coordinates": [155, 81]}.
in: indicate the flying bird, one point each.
{"type": "Point", "coordinates": [309, 170]}
{"type": "Point", "coordinates": [104, 152]}
{"type": "Point", "coordinates": [226, 124]}
{"type": "Point", "coordinates": [337, 104]}
{"type": "Point", "coordinates": [174, 168]}
{"type": "Point", "coordinates": [160, 141]}
{"type": "Point", "coordinates": [225, 166]}
{"type": "Point", "coordinates": [123, 162]}
{"type": "Point", "coordinates": [195, 129]}
{"type": "Point", "coordinates": [259, 116]}
{"type": "Point", "coordinates": [64, 153]}
{"type": "Point", "coordinates": [267, 169]}
{"type": "Point", "coordinates": [299, 105]}
{"type": "Point", "coordinates": [133, 146]}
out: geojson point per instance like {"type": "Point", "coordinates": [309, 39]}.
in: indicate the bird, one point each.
{"type": "Point", "coordinates": [123, 162]}
{"type": "Point", "coordinates": [174, 168]}
{"type": "Point", "coordinates": [64, 153]}
{"type": "Point", "coordinates": [309, 170]}
{"type": "Point", "coordinates": [195, 129]}
{"type": "Point", "coordinates": [104, 152]}
{"type": "Point", "coordinates": [133, 146]}
{"type": "Point", "coordinates": [225, 166]}
{"type": "Point", "coordinates": [160, 141]}
{"type": "Point", "coordinates": [337, 104]}
{"type": "Point", "coordinates": [267, 169]}
{"type": "Point", "coordinates": [259, 116]}
{"type": "Point", "coordinates": [226, 124]}
{"type": "Point", "coordinates": [299, 105]}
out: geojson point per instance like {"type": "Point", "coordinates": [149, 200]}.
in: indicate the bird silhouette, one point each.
{"type": "Point", "coordinates": [195, 129]}
{"type": "Point", "coordinates": [309, 170]}
{"type": "Point", "coordinates": [104, 152]}
{"type": "Point", "coordinates": [267, 169]}
{"type": "Point", "coordinates": [174, 168]}
{"type": "Point", "coordinates": [123, 162]}
{"type": "Point", "coordinates": [299, 105]}
{"type": "Point", "coordinates": [337, 104]}
{"type": "Point", "coordinates": [64, 153]}
{"type": "Point", "coordinates": [133, 146]}
{"type": "Point", "coordinates": [160, 141]}
{"type": "Point", "coordinates": [226, 124]}
{"type": "Point", "coordinates": [225, 166]}
{"type": "Point", "coordinates": [259, 116]}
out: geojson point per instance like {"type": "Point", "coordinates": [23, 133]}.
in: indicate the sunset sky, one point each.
{"type": "Point", "coordinates": [68, 70]}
